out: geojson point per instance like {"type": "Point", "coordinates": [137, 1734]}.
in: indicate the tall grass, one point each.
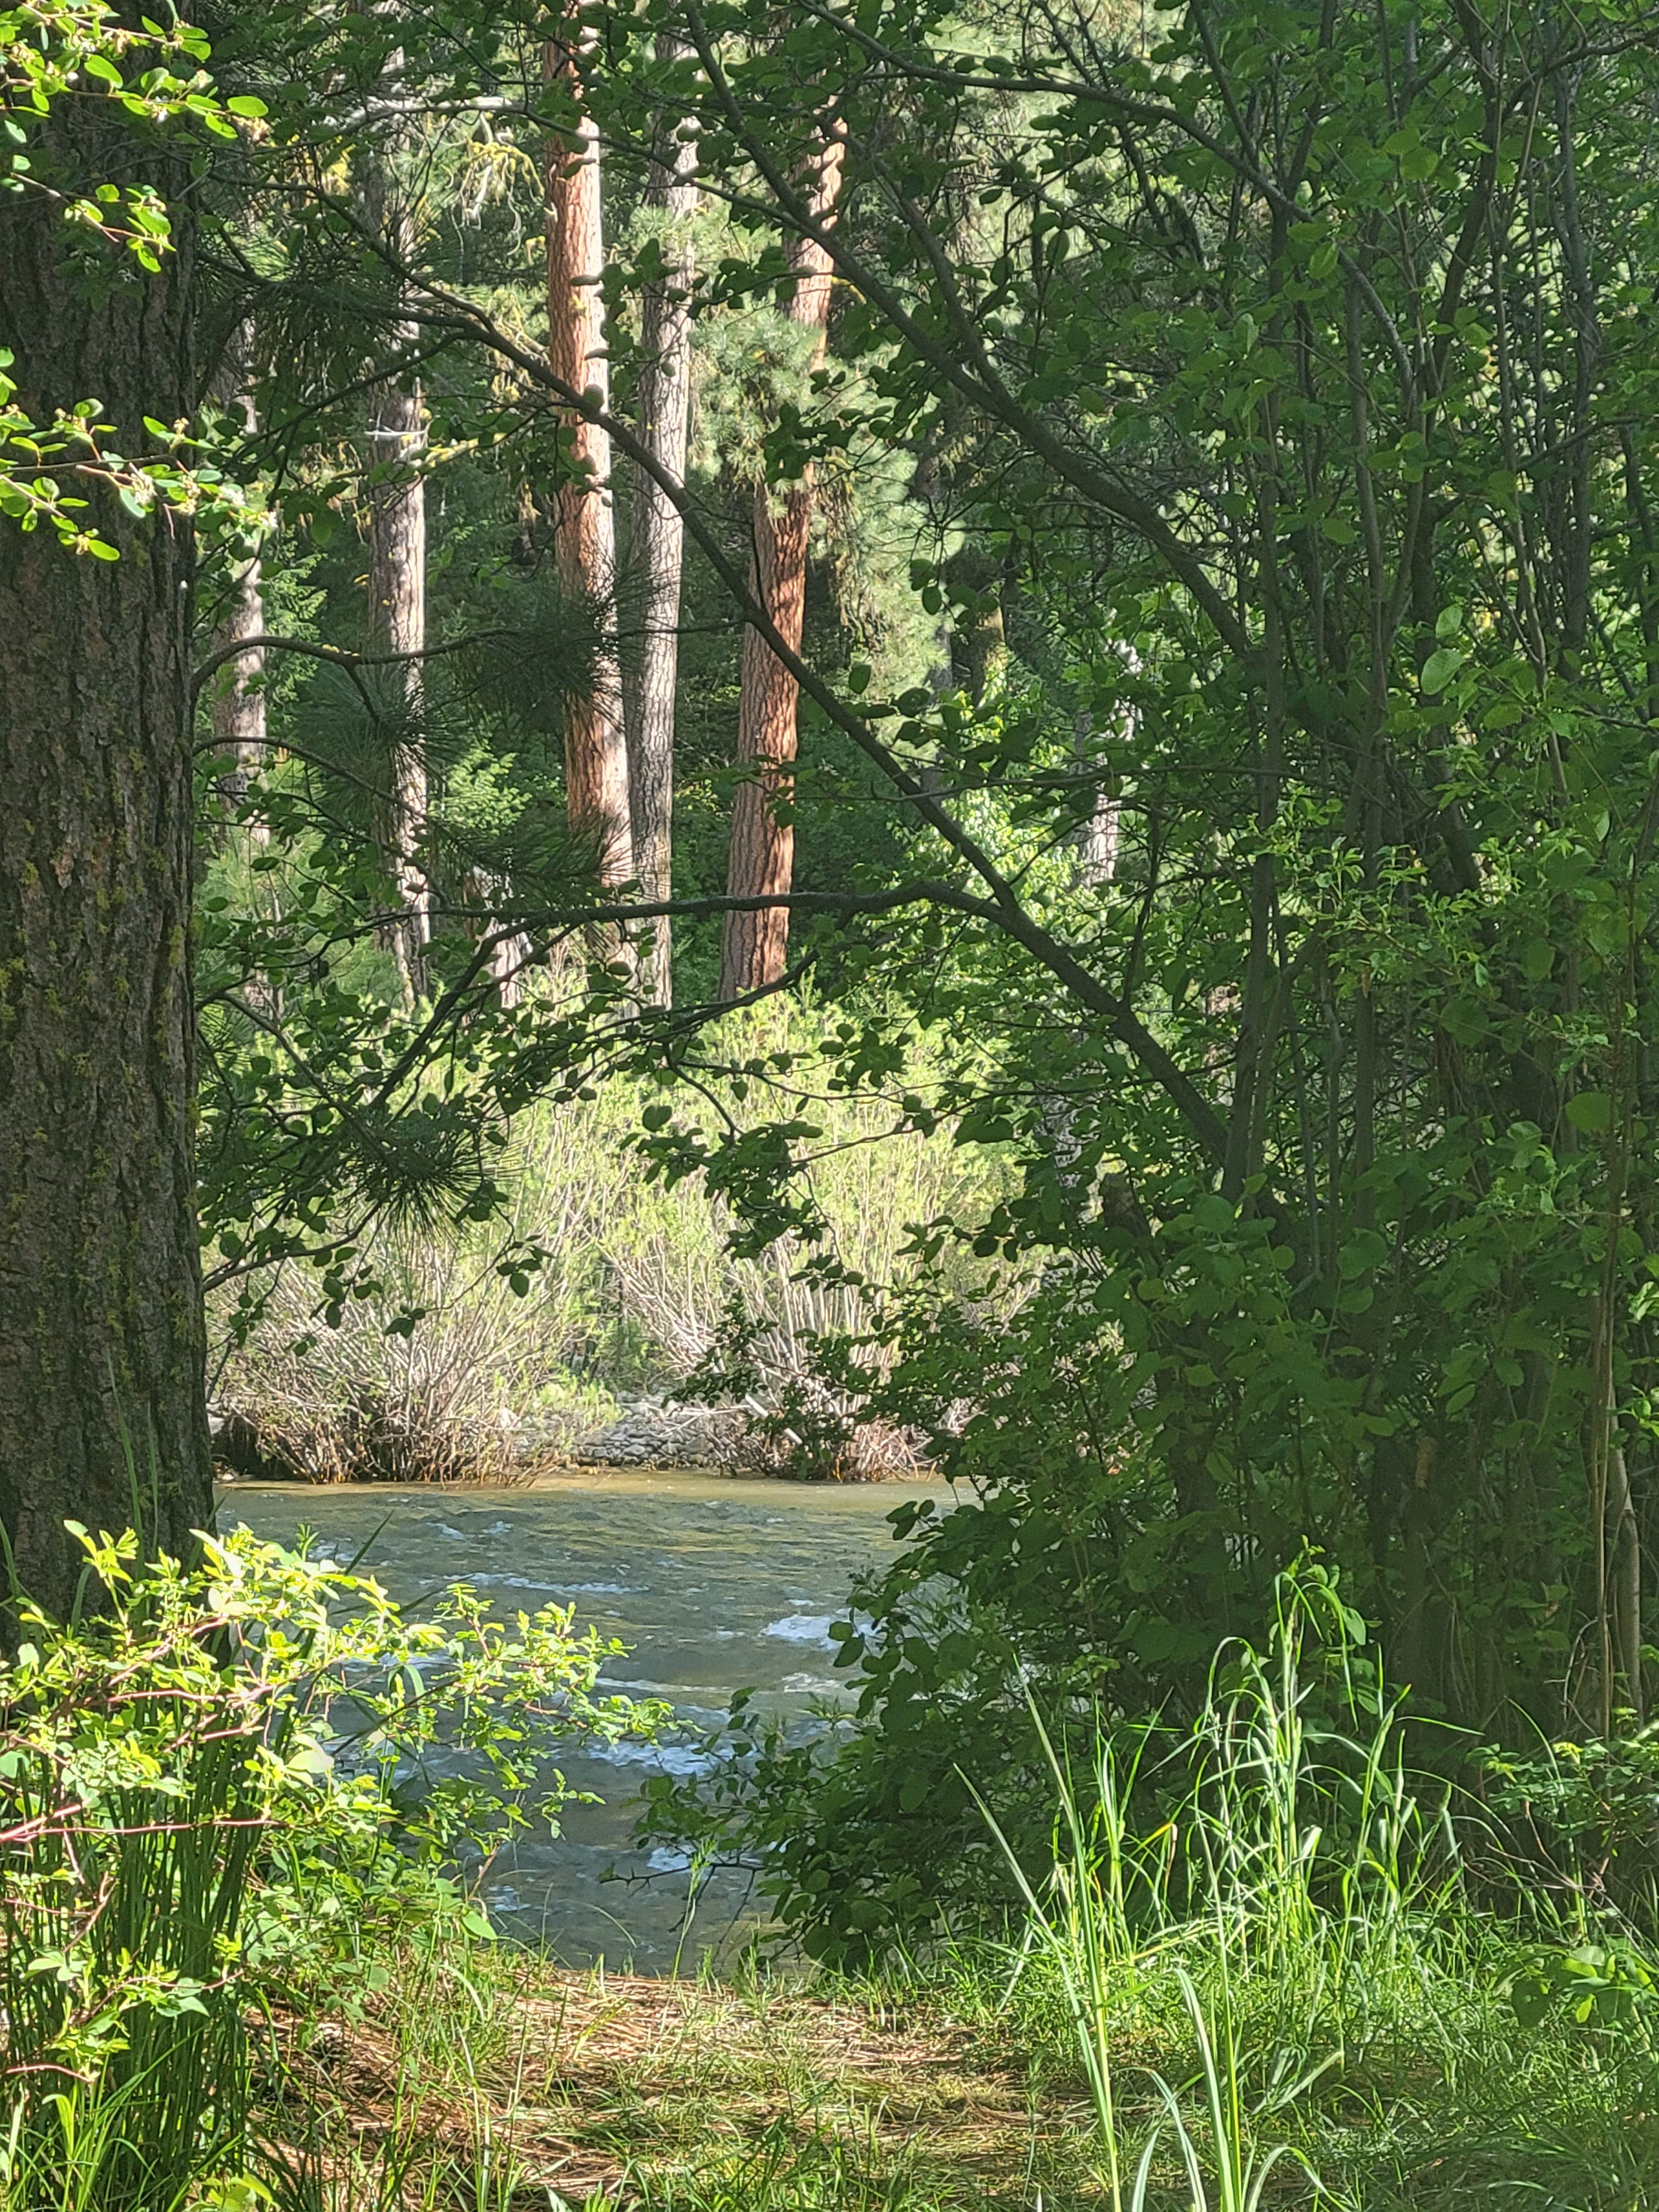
{"type": "Point", "coordinates": [1273, 1978]}
{"type": "Point", "coordinates": [131, 1801]}
{"type": "Point", "coordinates": [1252, 1972]}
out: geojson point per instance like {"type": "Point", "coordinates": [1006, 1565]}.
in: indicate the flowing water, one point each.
{"type": "Point", "coordinates": [716, 1586]}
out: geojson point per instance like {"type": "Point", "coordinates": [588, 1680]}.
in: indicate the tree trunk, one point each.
{"type": "Point", "coordinates": [585, 547]}
{"type": "Point", "coordinates": [101, 1339]}
{"type": "Point", "coordinates": [238, 693]}
{"type": "Point", "coordinates": [762, 852]}
{"type": "Point", "coordinates": [979, 646]}
{"type": "Point", "coordinates": [1626, 1577]}
{"type": "Point", "coordinates": [1099, 836]}
{"type": "Point", "coordinates": [239, 696]}
{"type": "Point", "coordinates": [397, 587]}
{"type": "Point", "coordinates": [657, 543]}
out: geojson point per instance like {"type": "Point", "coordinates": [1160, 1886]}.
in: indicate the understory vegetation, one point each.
{"type": "Point", "coordinates": [476, 1351]}
{"type": "Point", "coordinates": [240, 1971]}
{"type": "Point", "coordinates": [935, 723]}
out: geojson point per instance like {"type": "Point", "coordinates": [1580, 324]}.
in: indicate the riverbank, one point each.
{"type": "Point", "coordinates": [1219, 2001]}
{"type": "Point", "coordinates": [577, 1474]}
{"type": "Point", "coordinates": [1277, 2002]}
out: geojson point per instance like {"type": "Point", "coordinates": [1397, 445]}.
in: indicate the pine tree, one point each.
{"type": "Point", "coordinates": [397, 576]}
{"type": "Point", "coordinates": [101, 1346]}
{"type": "Point", "coordinates": [658, 538]}
{"type": "Point", "coordinates": [763, 851]}
{"type": "Point", "coordinates": [596, 745]}
{"type": "Point", "coordinates": [238, 696]}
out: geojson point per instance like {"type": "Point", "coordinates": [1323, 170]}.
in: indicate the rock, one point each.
{"type": "Point", "coordinates": [652, 1432]}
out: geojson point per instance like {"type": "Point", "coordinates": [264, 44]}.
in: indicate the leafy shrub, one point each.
{"type": "Point", "coordinates": [1587, 1815]}
{"type": "Point", "coordinates": [201, 1801]}
{"type": "Point", "coordinates": [884, 1832]}
{"type": "Point", "coordinates": [1592, 1985]}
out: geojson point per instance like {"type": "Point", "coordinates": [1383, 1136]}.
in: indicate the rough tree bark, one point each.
{"type": "Point", "coordinates": [101, 1347]}
{"type": "Point", "coordinates": [396, 584]}
{"type": "Point", "coordinates": [595, 738]}
{"type": "Point", "coordinates": [980, 646]}
{"type": "Point", "coordinates": [762, 851]}
{"type": "Point", "coordinates": [657, 541]}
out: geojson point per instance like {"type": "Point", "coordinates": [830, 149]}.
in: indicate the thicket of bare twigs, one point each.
{"type": "Point", "coordinates": [635, 1289]}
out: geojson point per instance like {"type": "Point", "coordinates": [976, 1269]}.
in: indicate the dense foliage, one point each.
{"type": "Point", "coordinates": [1228, 688]}
{"type": "Point", "coordinates": [206, 1805]}
{"type": "Point", "coordinates": [1293, 367]}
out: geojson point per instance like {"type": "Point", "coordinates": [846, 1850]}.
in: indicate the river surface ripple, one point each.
{"type": "Point", "coordinates": [716, 1585]}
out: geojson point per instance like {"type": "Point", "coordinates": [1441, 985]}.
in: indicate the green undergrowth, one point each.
{"type": "Point", "coordinates": [1406, 2079]}
{"type": "Point", "coordinates": [237, 1969]}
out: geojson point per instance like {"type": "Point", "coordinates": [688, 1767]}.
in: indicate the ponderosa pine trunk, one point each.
{"type": "Point", "coordinates": [239, 699]}
{"type": "Point", "coordinates": [657, 541]}
{"type": "Point", "coordinates": [102, 1339]}
{"type": "Point", "coordinates": [397, 586]}
{"type": "Point", "coordinates": [585, 545]}
{"type": "Point", "coordinates": [762, 863]}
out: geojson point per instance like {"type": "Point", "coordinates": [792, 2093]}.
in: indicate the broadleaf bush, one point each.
{"type": "Point", "coordinates": [216, 1784]}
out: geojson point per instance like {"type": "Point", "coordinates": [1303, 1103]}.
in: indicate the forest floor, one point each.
{"type": "Point", "coordinates": [486, 2079]}
{"type": "Point", "coordinates": [539, 2087]}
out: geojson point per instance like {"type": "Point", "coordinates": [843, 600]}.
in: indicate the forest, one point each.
{"type": "Point", "coordinates": [889, 745]}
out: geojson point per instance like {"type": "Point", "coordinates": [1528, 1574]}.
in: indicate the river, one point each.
{"type": "Point", "coordinates": [716, 1585]}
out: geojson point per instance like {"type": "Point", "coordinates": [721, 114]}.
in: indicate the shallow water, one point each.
{"type": "Point", "coordinates": [716, 1585]}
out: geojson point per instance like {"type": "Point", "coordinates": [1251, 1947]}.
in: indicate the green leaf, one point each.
{"type": "Point", "coordinates": [1591, 1111]}
{"type": "Point", "coordinates": [1440, 667]}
